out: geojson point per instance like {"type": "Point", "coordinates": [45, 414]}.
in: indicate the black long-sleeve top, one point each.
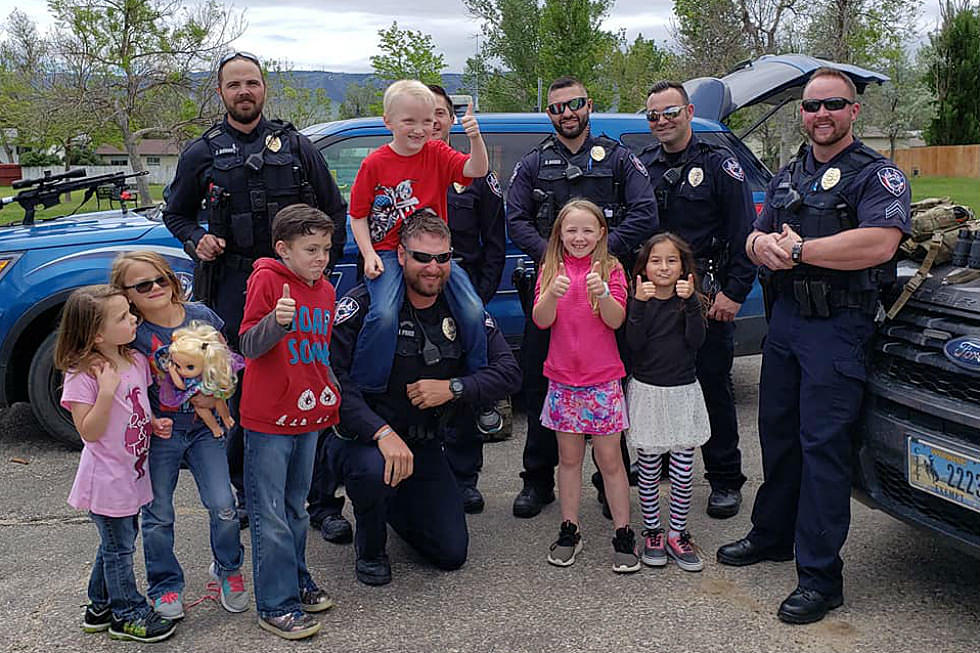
{"type": "Point", "coordinates": [664, 336]}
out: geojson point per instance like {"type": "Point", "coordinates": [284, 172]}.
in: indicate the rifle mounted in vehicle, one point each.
{"type": "Point", "coordinates": [46, 191]}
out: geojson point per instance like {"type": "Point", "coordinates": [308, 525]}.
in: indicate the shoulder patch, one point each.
{"type": "Point", "coordinates": [488, 321]}
{"type": "Point", "coordinates": [893, 180]}
{"type": "Point", "coordinates": [734, 170]}
{"type": "Point", "coordinates": [513, 175]}
{"type": "Point", "coordinates": [494, 183]}
{"type": "Point", "coordinates": [347, 308]}
{"type": "Point", "coordinates": [638, 165]}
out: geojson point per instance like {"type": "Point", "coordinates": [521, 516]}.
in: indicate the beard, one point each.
{"type": "Point", "coordinates": [839, 132]}
{"type": "Point", "coordinates": [426, 288]}
{"type": "Point", "coordinates": [245, 115]}
{"type": "Point", "coordinates": [571, 131]}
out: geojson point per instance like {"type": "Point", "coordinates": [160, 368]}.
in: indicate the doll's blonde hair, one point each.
{"type": "Point", "coordinates": [203, 341]}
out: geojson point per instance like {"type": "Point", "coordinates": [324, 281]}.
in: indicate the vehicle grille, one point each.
{"type": "Point", "coordinates": [895, 486]}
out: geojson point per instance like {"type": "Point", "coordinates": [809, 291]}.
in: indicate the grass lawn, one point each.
{"type": "Point", "coordinates": [14, 213]}
{"type": "Point", "coordinates": [962, 190]}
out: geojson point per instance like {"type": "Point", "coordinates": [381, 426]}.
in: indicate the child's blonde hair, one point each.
{"type": "Point", "coordinates": [126, 260]}
{"type": "Point", "coordinates": [81, 321]}
{"type": "Point", "coordinates": [555, 252]}
{"type": "Point", "coordinates": [202, 341]}
{"type": "Point", "coordinates": [410, 87]}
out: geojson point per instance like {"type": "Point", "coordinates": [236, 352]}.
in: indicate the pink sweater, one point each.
{"type": "Point", "coordinates": [583, 349]}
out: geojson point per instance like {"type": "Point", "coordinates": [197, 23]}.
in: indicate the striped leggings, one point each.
{"type": "Point", "coordinates": [681, 487]}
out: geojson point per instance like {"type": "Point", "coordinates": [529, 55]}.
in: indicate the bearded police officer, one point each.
{"type": "Point", "coordinates": [388, 449]}
{"type": "Point", "coordinates": [827, 235]}
{"type": "Point", "coordinates": [241, 172]}
{"type": "Point", "coordinates": [702, 197]}
{"type": "Point", "coordinates": [571, 163]}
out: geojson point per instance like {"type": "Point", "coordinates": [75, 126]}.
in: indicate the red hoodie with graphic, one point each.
{"type": "Point", "coordinates": [289, 387]}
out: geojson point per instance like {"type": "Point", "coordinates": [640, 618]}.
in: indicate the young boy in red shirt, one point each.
{"type": "Point", "coordinates": [410, 173]}
{"type": "Point", "coordinates": [289, 394]}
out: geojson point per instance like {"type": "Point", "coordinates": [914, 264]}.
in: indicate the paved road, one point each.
{"type": "Point", "coordinates": [905, 591]}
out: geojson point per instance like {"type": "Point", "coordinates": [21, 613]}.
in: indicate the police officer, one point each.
{"type": "Point", "coordinates": [571, 163]}
{"type": "Point", "coordinates": [241, 172]}
{"type": "Point", "coordinates": [827, 235]}
{"type": "Point", "coordinates": [702, 197]}
{"type": "Point", "coordinates": [388, 449]}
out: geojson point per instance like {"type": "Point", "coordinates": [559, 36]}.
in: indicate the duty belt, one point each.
{"type": "Point", "coordinates": [816, 297]}
{"type": "Point", "coordinates": [236, 261]}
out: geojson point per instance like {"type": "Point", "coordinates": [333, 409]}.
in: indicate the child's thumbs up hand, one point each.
{"type": "Point", "coordinates": [685, 288]}
{"type": "Point", "coordinates": [644, 289]}
{"type": "Point", "coordinates": [593, 281]}
{"type": "Point", "coordinates": [559, 286]}
{"type": "Point", "coordinates": [285, 307]}
{"type": "Point", "coordinates": [469, 123]}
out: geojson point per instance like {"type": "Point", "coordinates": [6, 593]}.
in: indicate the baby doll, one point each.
{"type": "Point", "coordinates": [199, 361]}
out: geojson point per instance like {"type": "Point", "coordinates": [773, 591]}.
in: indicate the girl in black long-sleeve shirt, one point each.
{"type": "Point", "coordinates": [664, 330]}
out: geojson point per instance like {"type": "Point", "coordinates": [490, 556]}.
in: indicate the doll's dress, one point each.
{"type": "Point", "coordinates": [172, 396]}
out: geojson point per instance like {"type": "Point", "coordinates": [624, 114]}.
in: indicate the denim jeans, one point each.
{"type": "Point", "coordinates": [278, 470]}
{"type": "Point", "coordinates": [375, 349]}
{"type": "Point", "coordinates": [112, 581]}
{"type": "Point", "coordinates": [205, 456]}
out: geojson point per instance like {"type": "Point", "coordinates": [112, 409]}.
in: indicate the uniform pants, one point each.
{"type": "Point", "coordinates": [810, 393]}
{"type": "Point", "coordinates": [722, 458]}
{"type": "Point", "coordinates": [425, 509]}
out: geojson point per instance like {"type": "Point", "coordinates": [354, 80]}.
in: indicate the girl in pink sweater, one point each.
{"type": "Point", "coordinates": [581, 297]}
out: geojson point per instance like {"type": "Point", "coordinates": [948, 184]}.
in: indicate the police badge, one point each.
{"type": "Point", "coordinates": [695, 176]}
{"type": "Point", "coordinates": [598, 153]}
{"type": "Point", "coordinates": [830, 178]}
{"type": "Point", "coordinates": [272, 143]}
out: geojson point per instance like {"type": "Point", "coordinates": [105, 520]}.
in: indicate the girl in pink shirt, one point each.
{"type": "Point", "coordinates": [581, 297]}
{"type": "Point", "coordinates": [105, 389]}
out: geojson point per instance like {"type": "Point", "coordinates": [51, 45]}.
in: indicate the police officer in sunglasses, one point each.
{"type": "Point", "coordinates": [827, 235]}
{"type": "Point", "coordinates": [703, 197]}
{"type": "Point", "coordinates": [388, 450]}
{"type": "Point", "coordinates": [236, 177]}
{"type": "Point", "coordinates": [571, 163]}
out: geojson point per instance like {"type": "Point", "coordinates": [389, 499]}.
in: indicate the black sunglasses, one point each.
{"type": "Point", "coordinates": [832, 104]}
{"type": "Point", "coordinates": [144, 287]}
{"type": "Point", "coordinates": [239, 55]}
{"type": "Point", "coordinates": [669, 113]}
{"type": "Point", "coordinates": [574, 104]}
{"type": "Point", "coordinates": [425, 258]}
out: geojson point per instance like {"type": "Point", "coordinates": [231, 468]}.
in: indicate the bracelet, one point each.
{"type": "Point", "coordinates": [605, 293]}
{"type": "Point", "coordinates": [383, 433]}
{"type": "Point", "coordinates": [752, 245]}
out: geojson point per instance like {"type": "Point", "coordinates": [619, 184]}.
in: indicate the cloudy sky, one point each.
{"type": "Point", "coordinates": [341, 35]}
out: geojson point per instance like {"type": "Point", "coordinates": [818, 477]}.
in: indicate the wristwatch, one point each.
{"type": "Point", "coordinates": [456, 387]}
{"type": "Point", "coordinates": [797, 252]}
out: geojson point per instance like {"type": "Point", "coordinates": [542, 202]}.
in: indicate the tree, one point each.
{"type": "Point", "coordinates": [407, 54]}
{"type": "Point", "coordinates": [632, 68]}
{"type": "Point", "coordinates": [900, 105]}
{"type": "Point", "coordinates": [574, 43]}
{"type": "Point", "coordinates": [361, 100]}
{"type": "Point", "coordinates": [139, 56]}
{"type": "Point", "coordinates": [709, 36]}
{"type": "Point", "coordinates": [864, 32]}
{"type": "Point", "coordinates": [954, 75]}
{"type": "Point", "coordinates": [288, 99]}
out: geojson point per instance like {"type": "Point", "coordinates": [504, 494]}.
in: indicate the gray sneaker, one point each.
{"type": "Point", "coordinates": [315, 599]}
{"type": "Point", "coordinates": [685, 553]}
{"type": "Point", "coordinates": [625, 560]}
{"type": "Point", "coordinates": [294, 625]}
{"type": "Point", "coordinates": [654, 551]}
{"type": "Point", "coordinates": [234, 596]}
{"type": "Point", "coordinates": [169, 605]}
{"type": "Point", "coordinates": [569, 543]}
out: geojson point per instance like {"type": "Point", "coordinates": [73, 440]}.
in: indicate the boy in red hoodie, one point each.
{"type": "Point", "coordinates": [288, 395]}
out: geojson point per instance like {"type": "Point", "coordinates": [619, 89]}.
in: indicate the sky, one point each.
{"type": "Point", "coordinates": [341, 35]}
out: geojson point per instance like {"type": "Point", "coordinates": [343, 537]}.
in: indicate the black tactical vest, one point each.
{"type": "Point", "coordinates": [587, 174]}
{"type": "Point", "coordinates": [250, 182]}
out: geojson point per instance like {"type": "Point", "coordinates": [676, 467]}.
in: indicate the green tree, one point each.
{"type": "Point", "coordinates": [289, 99]}
{"type": "Point", "coordinates": [632, 67]}
{"type": "Point", "coordinates": [407, 54]}
{"type": "Point", "coordinates": [709, 37]}
{"type": "Point", "coordinates": [574, 43]}
{"type": "Point", "coordinates": [140, 56]}
{"type": "Point", "coordinates": [900, 105]}
{"type": "Point", "coordinates": [864, 32]}
{"type": "Point", "coordinates": [954, 76]}
{"type": "Point", "coordinates": [361, 100]}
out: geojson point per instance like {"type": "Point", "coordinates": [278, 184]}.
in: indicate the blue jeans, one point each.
{"type": "Point", "coordinates": [375, 350]}
{"type": "Point", "coordinates": [112, 581]}
{"type": "Point", "coordinates": [205, 456]}
{"type": "Point", "coordinates": [278, 470]}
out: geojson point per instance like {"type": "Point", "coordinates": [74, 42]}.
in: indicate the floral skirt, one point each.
{"type": "Point", "coordinates": [592, 409]}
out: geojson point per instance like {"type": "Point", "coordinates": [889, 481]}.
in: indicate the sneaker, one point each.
{"type": "Point", "coordinates": [682, 550]}
{"type": "Point", "coordinates": [234, 597]}
{"type": "Point", "coordinates": [149, 628]}
{"type": "Point", "coordinates": [567, 546]}
{"type": "Point", "coordinates": [169, 606]}
{"type": "Point", "coordinates": [489, 421]}
{"type": "Point", "coordinates": [654, 551]}
{"type": "Point", "coordinates": [315, 599]}
{"type": "Point", "coordinates": [625, 560]}
{"type": "Point", "coordinates": [96, 621]}
{"type": "Point", "coordinates": [293, 625]}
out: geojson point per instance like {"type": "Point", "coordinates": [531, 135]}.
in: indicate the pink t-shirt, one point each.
{"type": "Point", "coordinates": [583, 349]}
{"type": "Point", "coordinates": [112, 477]}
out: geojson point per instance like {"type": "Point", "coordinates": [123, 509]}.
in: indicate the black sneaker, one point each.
{"type": "Point", "coordinates": [489, 421]}
{"type": "Point", "coordinates": [149, 628]}
{"type": "Point", "coordinates": [531, 500]}
{"type": "Point", "coordinates": [563, 551]}
{"type": "Point", "coordinates": [625, 560]}
{"type": "Point", "coordinates": [96, 621]}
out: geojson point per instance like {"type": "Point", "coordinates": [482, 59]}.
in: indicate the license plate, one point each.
{"type": "Point", "coordinates": [943, 472]}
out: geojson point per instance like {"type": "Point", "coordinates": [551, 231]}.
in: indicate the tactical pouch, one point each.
{"type": "Point", "coordinates": [241, 230]}
{"type": "Point", "coordinates": [802, 295]}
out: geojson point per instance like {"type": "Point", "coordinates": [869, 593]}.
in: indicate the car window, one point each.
{"type": "Point", "coordinates": [638, 142]}
{"type": "Point", "coordinates": [344, 158]}
{"type": "Point", "coordinates": [505, 150]}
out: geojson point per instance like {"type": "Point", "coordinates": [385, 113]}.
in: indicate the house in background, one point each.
{"type": "Point", "coordinates": [156, 152]}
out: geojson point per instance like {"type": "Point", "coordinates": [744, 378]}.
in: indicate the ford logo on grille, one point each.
{"type": "Point", "coordinates": [964, 352]}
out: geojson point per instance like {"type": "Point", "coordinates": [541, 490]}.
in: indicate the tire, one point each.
{"type": "Point", "coordinates": [44, 391]}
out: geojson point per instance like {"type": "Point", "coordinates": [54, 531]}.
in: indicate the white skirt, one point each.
{"type": "Point", "coordinates": [666, 418]}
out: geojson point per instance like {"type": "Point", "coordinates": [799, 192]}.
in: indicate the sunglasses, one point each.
{"type": "Point", "coordinates": [239, 55]}
{"type": "Point", "coordinates": [144, 287]}
{"type": "Point", "coordinates": [669, 113]}
{"type": "Point", "coordinates": [574, 104]}
{"type": "Point", "coordinates": [831, 103]}
{"type": "Point", "coordinates": [425, 258]}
